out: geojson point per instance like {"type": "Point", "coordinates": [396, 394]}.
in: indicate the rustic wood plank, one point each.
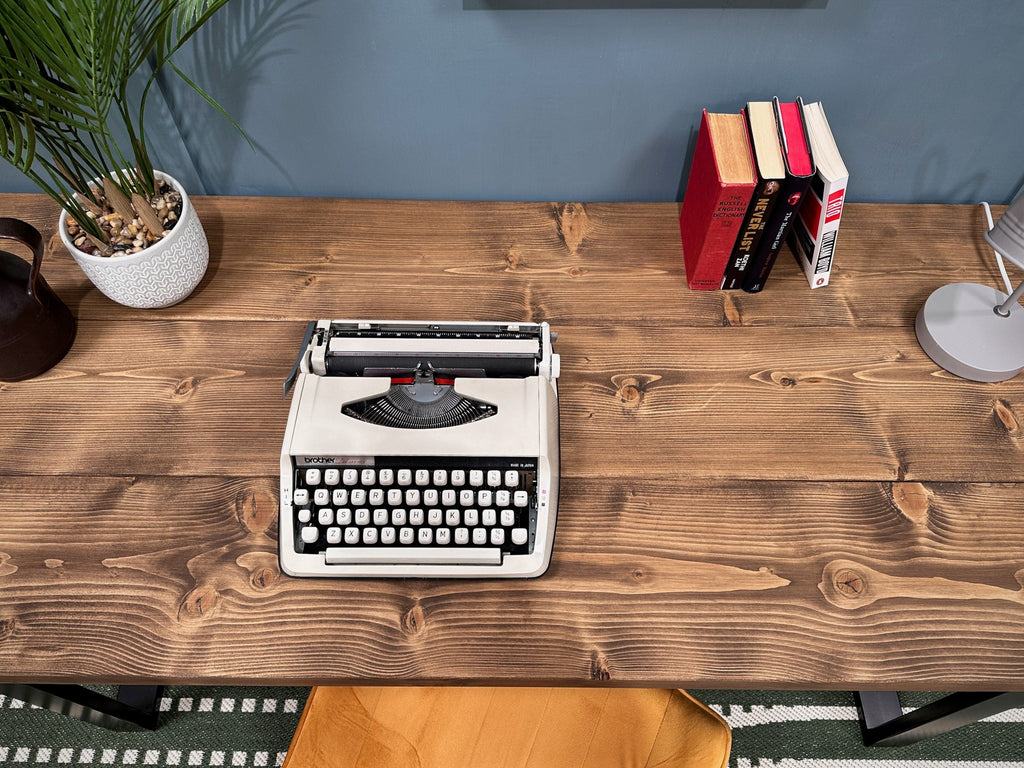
{"type": "Point", "coordinates": [803, 403]}
{"type": "Point", "coordinates": [158, 397]}
{"type": "Point", "coordinates": [183, 397]}
{"type": "Point", "coordinates": [180, 584]}
{"type": "Point", "coordinates": [566, 263]}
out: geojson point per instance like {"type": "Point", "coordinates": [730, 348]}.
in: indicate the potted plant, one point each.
{"type": "Point", "coordinates": [75, 77]}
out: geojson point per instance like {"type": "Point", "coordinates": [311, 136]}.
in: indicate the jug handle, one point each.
{"type": "Point", "coordinates": [25, 233]}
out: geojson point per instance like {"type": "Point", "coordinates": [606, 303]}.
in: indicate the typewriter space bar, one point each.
{"type": "Point", "coordinates": [412, 556]}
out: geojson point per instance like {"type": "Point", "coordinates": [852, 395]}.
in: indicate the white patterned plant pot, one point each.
{"type": "Point", "coordinates": [158, 276]}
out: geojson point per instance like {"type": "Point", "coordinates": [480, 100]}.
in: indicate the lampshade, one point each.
{"type": "Point", "coordinates": [976, 331]}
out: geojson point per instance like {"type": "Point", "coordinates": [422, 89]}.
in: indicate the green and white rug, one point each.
{"type": "Point", "coordinates": [243, 727]}
{"type": "Point", "coordinates": [794, 729]}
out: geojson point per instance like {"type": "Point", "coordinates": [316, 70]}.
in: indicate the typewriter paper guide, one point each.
{"type": "Point", "coordinates": [512, 431]}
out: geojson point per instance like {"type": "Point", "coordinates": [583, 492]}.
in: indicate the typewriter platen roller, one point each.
{"type": "Point", "coordinates": [421, 449]}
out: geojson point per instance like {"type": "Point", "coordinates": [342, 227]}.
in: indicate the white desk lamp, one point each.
{"type": "Point", "coordinates": [973, 330]}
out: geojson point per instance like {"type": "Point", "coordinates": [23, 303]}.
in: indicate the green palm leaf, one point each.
{"type": "Point", "coordinates": [65, 67]}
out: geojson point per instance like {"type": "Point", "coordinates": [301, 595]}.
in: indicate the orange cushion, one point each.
{"type": "Point", "coordinates": [451, 727]}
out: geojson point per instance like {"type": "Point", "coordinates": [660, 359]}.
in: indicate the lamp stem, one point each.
{"type": "Point", "coordinates": [1003, 310]}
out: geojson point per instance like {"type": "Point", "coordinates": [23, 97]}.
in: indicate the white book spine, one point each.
{"type": "Point", "coordinates": [819, 268]}
{"type": "Point", "coordinates": [818, 225]}
{"type": "Point", "coordinates": [814, 236]}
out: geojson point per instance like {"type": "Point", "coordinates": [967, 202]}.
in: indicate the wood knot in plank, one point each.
{"type": "Point", "coordinates": [630, 389]}
{"type": "Point", "coordinates": [573, 225]}
{"type": "Point", "coordinates": [186, 387]}
{"type": "Point", "coordinates": [513, 260]}
{"type": "Point", "coordinates": [262, 567]}
{"type": "Point", "coordinates": [777, 378]}
{"type": "Point", "coordinates": [851, 585]}
{"type": "Point", "coordinates": [913, 501]}
{"type": "Point", "coordinates": [1005, 417]}
{"type": "Point", "coordinates": [730, 311]}
{"type": "Point", "coordinates": [7, 627]}
{"type": "Point", "coordinates": [844, 582]}
{"type": "Point", "coordinates": [901, 465]}
{"type": "Point", "coordinates": [198, 604]}
{"type": "Point", "coordinates": [6, 566]}
{"type": "Point", "coordinates": [256, 510]}
{"type": "Point", "coordinates": [599, 668]}
{"type": "Point", "coordinates": [848, 582]}
{"type": "Point", "coordinates": [53, 562]}
{"type": "Point", "coordinates": [414, 620]}
{"type": "Point", "coordinates": [264, 578]}
{"type": "Point", "coordinates": [782, 379]}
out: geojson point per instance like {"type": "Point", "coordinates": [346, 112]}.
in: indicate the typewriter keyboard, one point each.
{"type": "Point", "coordinates": [416, 510]}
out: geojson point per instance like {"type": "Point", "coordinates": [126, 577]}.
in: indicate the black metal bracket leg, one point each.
{"type": "Point", "coordinates": [883, 723]}
{"type": "Point", "coordinates": [136, 706]}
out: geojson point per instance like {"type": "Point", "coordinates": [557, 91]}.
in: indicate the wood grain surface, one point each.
{"type": "Point", "coordinates": [774, 490]}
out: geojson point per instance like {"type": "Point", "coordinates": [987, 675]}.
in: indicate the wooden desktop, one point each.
{"type": "Point", "coordinates": [774, 490]}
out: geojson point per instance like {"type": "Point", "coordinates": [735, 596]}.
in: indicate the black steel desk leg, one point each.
{"type": "Point", "coordinates": [135, 705]}
{"type": "Point", "coordinates": [883, 724]}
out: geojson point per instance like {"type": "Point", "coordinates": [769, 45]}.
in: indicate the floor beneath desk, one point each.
{"type": "Point", "coordinates": [241, 727]}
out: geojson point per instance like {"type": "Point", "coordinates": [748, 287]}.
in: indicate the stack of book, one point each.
{"type": "Point", "coordinates": [770, 173]}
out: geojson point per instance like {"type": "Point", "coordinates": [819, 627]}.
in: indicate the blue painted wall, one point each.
{"type": "Point", "coordinates": [585, 101]}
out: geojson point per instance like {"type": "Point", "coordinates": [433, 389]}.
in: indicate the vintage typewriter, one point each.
{"type": "Point", "coordinates": [421, 449]}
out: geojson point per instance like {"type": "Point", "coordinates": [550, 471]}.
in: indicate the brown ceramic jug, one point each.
{"type": "Point", "coordinates": [36, 327]}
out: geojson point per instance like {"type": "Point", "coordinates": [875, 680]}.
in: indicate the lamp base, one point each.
{"type": "Point", "coordinates": [959, 329]}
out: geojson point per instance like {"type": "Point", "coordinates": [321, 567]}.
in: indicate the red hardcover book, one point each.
{"type": "Point", "coordinates": [799, 170]}
{"type": "Point", "coordinates": [718, 191]}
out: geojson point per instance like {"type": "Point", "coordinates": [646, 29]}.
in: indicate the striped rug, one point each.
{"type": "Point", "coordinates": [242, 727]}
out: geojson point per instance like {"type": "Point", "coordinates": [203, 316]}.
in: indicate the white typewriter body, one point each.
{"type": "Point", "coordinates": [351, 410]}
